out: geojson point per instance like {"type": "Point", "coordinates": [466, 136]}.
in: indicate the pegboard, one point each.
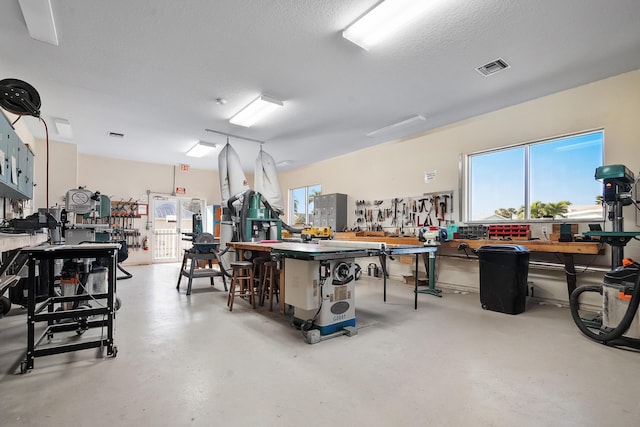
{"type": "Point", "coordinates": [405, 214]}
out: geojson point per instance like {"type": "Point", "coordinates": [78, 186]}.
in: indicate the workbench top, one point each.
{"type": "Point", "coordinates": [592, 248]}
{"type": "Point", "coordinates": [10, 242]}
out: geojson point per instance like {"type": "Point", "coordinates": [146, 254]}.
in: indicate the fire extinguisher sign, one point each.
{"type": "Point", "coordinates": [181, 190]}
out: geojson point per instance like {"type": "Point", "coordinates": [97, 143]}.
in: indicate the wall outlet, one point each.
{"type": "Point", "coordinates": [545, 230]}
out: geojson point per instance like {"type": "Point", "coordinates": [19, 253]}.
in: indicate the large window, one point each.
{"type": "Point", "coordinates": [301, 204]}
{"type": "Point", "coordinates": [547, 179]}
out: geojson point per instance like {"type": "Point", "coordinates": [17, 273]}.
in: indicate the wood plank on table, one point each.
{"type": "Point", "coordinates": [589, 248]}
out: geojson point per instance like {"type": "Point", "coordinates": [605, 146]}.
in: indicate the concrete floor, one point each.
{"type": "Point", "coordinates": [188, 361]}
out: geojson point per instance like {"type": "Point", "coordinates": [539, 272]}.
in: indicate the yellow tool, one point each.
{"type": "Point", "coordinates": [309, 233]}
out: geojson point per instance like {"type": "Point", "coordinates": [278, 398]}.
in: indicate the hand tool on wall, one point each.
{"type": "Point", "coordinates": [446, 204]}
{"type": "Point", "coordinates": [435, 204]}
{"type": "Point", "coordinates": [423, 206]}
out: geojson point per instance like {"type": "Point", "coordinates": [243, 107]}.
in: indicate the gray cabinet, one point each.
{"type": "Point", "coordinates": [330, 210]}
{"type": "Point", "coordinates": [16, 164]}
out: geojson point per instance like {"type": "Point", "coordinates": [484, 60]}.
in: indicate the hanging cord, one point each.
{"type": "Point", "coordinates": [46, 130]}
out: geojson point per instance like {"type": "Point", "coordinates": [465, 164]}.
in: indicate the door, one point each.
{"type": "Point", "coordinates": [172, 217]}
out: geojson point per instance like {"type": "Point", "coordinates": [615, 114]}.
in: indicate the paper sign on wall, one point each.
{"type": "Point", "coordinates": [181, 190]}
{"type": "Point", "coordinates": [430, 176]}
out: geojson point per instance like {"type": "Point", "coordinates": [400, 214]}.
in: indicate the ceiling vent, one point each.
{"type": "Point", "coordinates": [493, 67]}
{"type": "Point", "coordinates": [116, 135]}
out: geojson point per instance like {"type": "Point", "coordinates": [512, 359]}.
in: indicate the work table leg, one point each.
{"type": "Point", "coordinates": [383, 266]}
{"type": "Point", "coordinates": [570, 272]}
{"type": "Point", "coordinates": [282, 286]}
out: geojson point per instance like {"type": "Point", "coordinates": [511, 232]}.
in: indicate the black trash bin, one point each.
{"type": "Point", "coordinates": [503, 277]}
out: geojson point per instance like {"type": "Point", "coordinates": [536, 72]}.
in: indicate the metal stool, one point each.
{"type": "Point", "coordinates": [270, 281]}
{"type": "Point", "coordinates": [241, 283]}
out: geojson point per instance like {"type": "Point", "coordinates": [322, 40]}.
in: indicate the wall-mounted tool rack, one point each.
{"type": "Point", "coordinates": [405, 214]}
{"type": "Point", "coordinates": [121, 220]}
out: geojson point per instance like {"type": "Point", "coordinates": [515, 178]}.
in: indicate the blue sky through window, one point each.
{"type": "Point", "coordinates": [561, 169]}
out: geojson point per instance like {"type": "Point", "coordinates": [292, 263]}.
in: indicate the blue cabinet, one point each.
{"type": "Point", "coordinates": [16, 164]}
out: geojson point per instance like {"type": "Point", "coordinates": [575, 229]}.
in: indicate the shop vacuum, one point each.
{"type": "Point", "coordinates": [619, 323]}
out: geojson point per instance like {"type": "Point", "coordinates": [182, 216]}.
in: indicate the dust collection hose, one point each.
{"type": "Point", "coordinates": [619, 330]}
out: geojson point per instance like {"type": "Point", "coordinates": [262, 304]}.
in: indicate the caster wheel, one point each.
{"type": "Point", "coordinates": [23, 367]}
{"type": "Point", "coordinates": [117, 304]}
{"type": "Point", "coordinates": [113, 352]}
{"type": "Point", "coordinates": [484, 306]}
{"type": "Point", "coordinates": [5, 305]}
{"type": "Point", "coordinates": [50, 336]}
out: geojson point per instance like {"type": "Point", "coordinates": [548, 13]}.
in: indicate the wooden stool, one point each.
{"type": "Point", "coordinates": [241, 283]}
{"type": "Point", "coordinates": [270, 280]}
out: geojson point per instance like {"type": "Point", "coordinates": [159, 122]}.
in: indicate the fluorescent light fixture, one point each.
{"type": "Point", "coordinates": [38, 16]}
{"type": "Point", "coordinates": [284, 163]}
{"type": "Point", "coordinates": [201, 149]}
{"type": "Point", "coordinates": [63, 127]}
{"type": "Point", "coordinates": [383, 20]}
{"type": "Point", "coordinates": [411, 121]}
{"type": "Point", "coordinates": [259, 108]}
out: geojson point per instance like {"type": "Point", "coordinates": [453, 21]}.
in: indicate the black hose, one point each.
{"type": "Point", "coordinates": [616, 332]}
{"type": "Point", "coordinates": [275, 214]}
{"type": "Point", "coordinates": [127, 274]}
{"type": "Point", "coordinates": [244, 214]}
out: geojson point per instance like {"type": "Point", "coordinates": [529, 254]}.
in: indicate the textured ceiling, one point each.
{"type": "Point", "coordinates": [152, 69]}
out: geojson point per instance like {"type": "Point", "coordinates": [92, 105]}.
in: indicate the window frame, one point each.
{"type": "Point", "coordinates": [527, 178]}
{"type": "Point", "coordinates": [308, 207]}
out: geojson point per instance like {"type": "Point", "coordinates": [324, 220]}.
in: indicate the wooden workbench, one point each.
{"type": "Point", "coordinates": [567, 249]}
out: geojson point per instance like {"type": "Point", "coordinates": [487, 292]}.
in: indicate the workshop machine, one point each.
{"type": "Point", "coordinates": [89, 204]}
{"type": "Point", "coordinates": [429, 234]}
{"type": "Point", "coordinates": [203, 243]}
{"type": "Point", "coordinates": [249, 215]}
{"type": "Point", "coordinates": [78, 277]}
{"type": "Point", "coordinates": [322, 294]}
{"type": "Point", "coordinates": [619, 322]}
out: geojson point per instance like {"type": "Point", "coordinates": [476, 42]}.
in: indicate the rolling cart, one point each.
{"type": "Point", "coordinates": [81, 317]}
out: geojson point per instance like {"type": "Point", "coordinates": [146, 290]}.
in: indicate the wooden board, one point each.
{"type": "Point", "coordinates": [535, 245]}
{"type": "Point", "coordinates": [388, 240]}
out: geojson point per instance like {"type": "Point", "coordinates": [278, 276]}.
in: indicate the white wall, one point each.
{"type": "Point", "coordinates": [63, 172]}
{"type": "Point", "coordinates": [397, 168]}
